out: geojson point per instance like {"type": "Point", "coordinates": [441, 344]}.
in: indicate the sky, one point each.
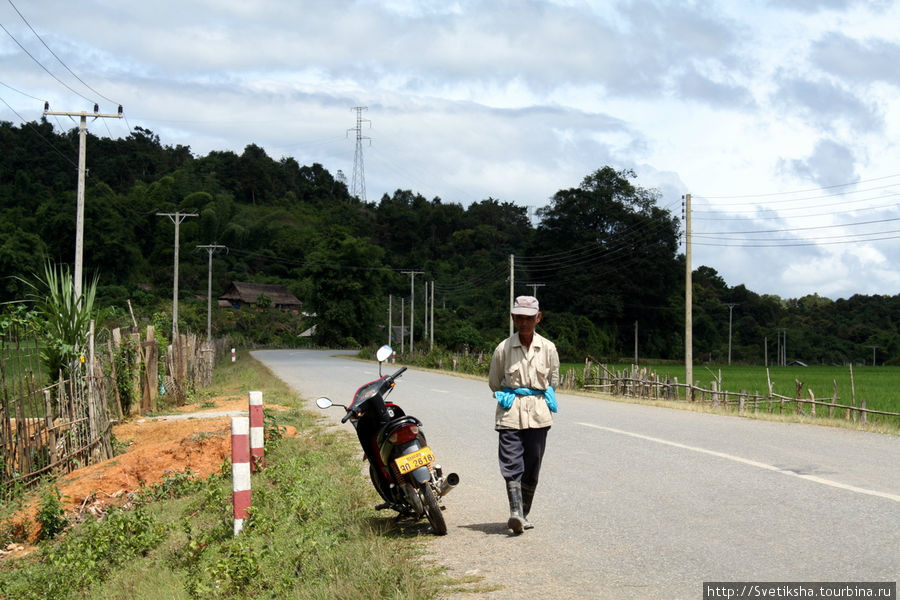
{"type": "Point", "coordinates": [780, 118]}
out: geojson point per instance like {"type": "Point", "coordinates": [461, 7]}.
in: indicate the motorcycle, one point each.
{"type": "Point", "coordinates": [402, 466]}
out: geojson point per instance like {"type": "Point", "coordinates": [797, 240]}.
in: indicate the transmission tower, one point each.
{"type": "Point", "coordinates": [358, 185]}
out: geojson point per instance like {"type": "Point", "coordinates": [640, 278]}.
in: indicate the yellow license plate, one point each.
{"type": "Point", "coordinates": [414, 460]}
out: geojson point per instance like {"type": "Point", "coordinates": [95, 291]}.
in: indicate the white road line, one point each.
{"type": "Point", "coordinates": [752, 463]}
{"type": "Point", "coordinates": [439, 391]}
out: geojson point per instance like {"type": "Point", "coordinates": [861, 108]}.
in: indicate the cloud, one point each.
{"type": "Point", "coordinates": [829, 164]}
{"type": "Point", "coordinates": [852, 60]}
{"type": "Point", "coordinates": [823, 103]}
{"type": "Point", "coordinates": [693, 85]}
{"type": "Point", "coordinates": [815, 6]}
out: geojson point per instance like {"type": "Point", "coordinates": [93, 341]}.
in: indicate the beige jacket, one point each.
{"type": "Point", "coordinates": [512, 366]}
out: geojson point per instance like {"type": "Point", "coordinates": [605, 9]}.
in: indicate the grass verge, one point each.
{"type": "Point", "coordinates": [312, 533]}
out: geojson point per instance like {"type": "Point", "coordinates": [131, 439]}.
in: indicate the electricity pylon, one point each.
{"type": "Point", "coordinates": [358, 185]}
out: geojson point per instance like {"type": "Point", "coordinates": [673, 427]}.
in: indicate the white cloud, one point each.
{"type": "Point", "coordinates": [734, 102]}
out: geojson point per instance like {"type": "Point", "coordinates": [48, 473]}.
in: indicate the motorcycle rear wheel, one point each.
{"type": "Point", "coordinates": [433, 510]}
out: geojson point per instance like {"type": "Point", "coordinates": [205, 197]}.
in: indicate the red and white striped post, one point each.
{"type": "Point", "coordinates": [240, 470]}
{"type": "Point", "coordinates": [257, 437]}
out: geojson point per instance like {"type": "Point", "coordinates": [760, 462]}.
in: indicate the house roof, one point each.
{"type": "Point", "coordinates": [248, 293]}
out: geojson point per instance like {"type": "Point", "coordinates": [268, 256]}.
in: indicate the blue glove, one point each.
{"type": "Point", "coordinates": [505, 398]}
{"type": "Point", "coordinates": [550, 397]}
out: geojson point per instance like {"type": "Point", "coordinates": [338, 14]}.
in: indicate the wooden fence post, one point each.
{"type": "Point", "coordinates": [834, 399]}
{"type": "Point", "coordinates": [151, 370]}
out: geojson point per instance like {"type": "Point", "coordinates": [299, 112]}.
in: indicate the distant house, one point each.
{"type": "Point", "coordinates": [241, 294]}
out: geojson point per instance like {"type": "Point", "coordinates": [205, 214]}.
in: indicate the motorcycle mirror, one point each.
{"type": "Point", "coordinates": [323, 402]}
{"type": "Point", "coordinates": [384, 353]}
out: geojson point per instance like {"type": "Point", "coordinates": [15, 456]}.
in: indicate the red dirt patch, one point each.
{"type": "Point", "coordinates": [156, 449]}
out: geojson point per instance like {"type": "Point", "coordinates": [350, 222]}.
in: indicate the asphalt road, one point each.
{"type": "Point", "coordinates": [642, 502]}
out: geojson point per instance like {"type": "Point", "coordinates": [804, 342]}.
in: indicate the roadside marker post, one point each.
{"type": "Point", "coordinates": [240, 470]}
{"type": "Point", "coordinates": [257, 435]}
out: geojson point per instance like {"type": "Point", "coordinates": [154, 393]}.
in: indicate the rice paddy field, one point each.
{"type": "Point", "coordinates": [878, 386]}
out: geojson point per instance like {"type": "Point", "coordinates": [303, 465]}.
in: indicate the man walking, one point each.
{"type": "Point", "coordinates": [523, 375]}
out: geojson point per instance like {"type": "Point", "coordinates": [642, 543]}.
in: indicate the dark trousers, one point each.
{"type": "Point", "coordinates": [521, 452]}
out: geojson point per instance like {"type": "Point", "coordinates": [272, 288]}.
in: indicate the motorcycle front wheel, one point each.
{"type": "Point", "coordinates": [433, 510]}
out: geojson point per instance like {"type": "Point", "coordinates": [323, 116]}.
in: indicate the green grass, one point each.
{"type": "Point", "coordinates": [312, 534]}
{"type": "Point", "coordinates": [878, 386]}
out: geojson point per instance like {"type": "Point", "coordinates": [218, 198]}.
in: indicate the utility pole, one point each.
{"type": "Point", "coordinates": [782, 347]}
{"type": "Point", "coordinates": [431, 329]}
{"type": "Point", "coordinates": [412, 305]}
{"type": "Point", "coordinates": [512, 288]}
{"type": "Point", "coordinates": [730, 310]}
{"type": "Point", "coordinates": [688, 298]}
{"type": "Point", "coordinates": [390, 306]}
{"type": "Point", "coordinates": [210, 249]}
{"type": "Point", "coordinates": [82, 159]}
{"type": "Point", "coordinates": [874, 348]}
{"type": "Point", "coordinates": [358, 186]}
{"type": "Point", "coordinates": [177, 218]}
{"type": "Point", "coordinates": [425, 331]}
{"type": "Point", "coordinates": [402, 325]}
{"type": "Point", "coordinates": [534, 287]}
{"type": "Point", "coordinates": [635, 342]}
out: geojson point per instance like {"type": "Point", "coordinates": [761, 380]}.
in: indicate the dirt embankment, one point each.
{"type": "Point", "coordinates": [155, 448]}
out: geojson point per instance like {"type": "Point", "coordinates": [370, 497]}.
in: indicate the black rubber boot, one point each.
{"type": "Point", "coordinates": [516, 521]}
{"type": "Point", "coordinates": [527, 497]}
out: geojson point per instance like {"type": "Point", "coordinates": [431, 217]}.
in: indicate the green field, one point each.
{"type": "Point", "coordinates": [878, 386]}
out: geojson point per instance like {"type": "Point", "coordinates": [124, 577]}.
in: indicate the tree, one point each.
{"type": "Point", "coordinates": [608, 252]}
{"type": "Point", "coordinates": [347, 289]}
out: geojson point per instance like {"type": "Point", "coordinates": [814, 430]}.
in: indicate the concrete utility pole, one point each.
{"type": "Point", "coordinates": [431, 329]}
{"type": "Point", "coordinates": [210, 248]}
{"type": "Point", "coordinates": [688, 299]}
{"type": "Point", "coordinates": [79, 210]}
{"type": "Point", "coordinates": [390, 307]}
{"type": "Point", "coordinates": [730, 310]}
{"type": "Point", "coordinates": [177, 218]}
{"type": "Point", "coordinates": [534, 287]}
{"type": "Point", "coordinates": [425, 331]}
{"type": "Point", "coordinates": [512, 289]}
{"type": "Point", "coordinates": [635, 342]}
{"type": "Point", "coordinates": [402, 325]}
{"type": "Point", "coordinates": [874, 348]}
{"type": "Point", "coordinates": [412, 304]}
{"type": "Point", "coordinates": [782, 347]}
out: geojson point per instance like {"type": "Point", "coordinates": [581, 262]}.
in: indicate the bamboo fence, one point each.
{"type": "Point", "coordinates": [61, 426]}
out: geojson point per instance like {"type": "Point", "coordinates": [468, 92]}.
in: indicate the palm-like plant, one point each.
{"type": "Point", "coordinates": [65, 318]}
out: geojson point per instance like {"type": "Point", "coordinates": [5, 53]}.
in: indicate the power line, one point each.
{"type": "Point", "coordinates": [57, 57]}
{"type": "Point", "coordinates": [780, 216]}
{"type": "Point", "coordinates": [756, 209]}
{"type": "Point", "coordinates": [24, 49]}
{"type": "Point", "coordinates": [38, 133]}
{"type": "Point", "coordinates": [709, 233]}
{"type": "Point", "coordinates": [803, 191]}
{"type": "Point", "coordinates": [787, 245]}
{"type": "Point", "coordinates": [6, 85]}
